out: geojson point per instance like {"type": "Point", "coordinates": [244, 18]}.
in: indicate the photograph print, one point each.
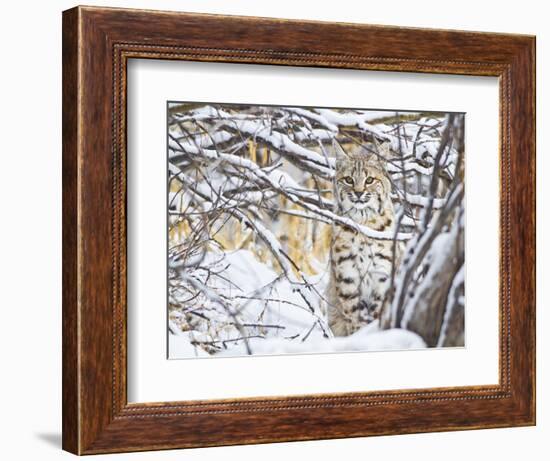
{"type": "Point", "coordinates": [297, 230]}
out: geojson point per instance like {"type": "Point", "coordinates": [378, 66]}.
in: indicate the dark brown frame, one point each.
{"type": "Point", "coordinates": [97, 43]}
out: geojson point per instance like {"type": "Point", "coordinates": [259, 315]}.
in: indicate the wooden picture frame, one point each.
{"type": "Point", "coordinates": [97, 43]}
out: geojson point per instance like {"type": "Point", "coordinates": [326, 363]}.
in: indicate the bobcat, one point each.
{"type": "Point", "coordinates": [360, 266]}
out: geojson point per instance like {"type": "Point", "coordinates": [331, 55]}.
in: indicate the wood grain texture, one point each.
{"type": "Point", "coordinates": [97, 43]}
{"type": "Point", "coordinates": [70, 384]}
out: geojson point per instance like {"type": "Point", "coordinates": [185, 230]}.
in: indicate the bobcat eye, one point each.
{"type": "Point", "coordinates": [369, 180]}
{"type": "Point", "coordinates": [348, 180]}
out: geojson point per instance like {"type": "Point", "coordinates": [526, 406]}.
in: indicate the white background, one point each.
{"type": "Point", "coordinates": [30, 243]}
{"type": "Point", "coordinates": [153, 378]}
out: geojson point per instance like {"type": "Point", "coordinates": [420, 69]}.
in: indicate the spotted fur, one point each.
{"type": "Point", "coordinates": [360, 266]}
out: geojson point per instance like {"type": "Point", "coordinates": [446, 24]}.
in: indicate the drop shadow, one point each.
{"type": "Point", "coordinates": [51, 438]}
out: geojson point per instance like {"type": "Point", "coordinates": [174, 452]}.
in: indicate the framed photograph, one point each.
{"type": "Point", "coordinates": [284, 230]}
{"type": "Point", "coordinates": [287, 230]}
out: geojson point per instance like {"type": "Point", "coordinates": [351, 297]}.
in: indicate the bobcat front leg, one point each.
{"type": "Point", "coordinates": [344, 291]}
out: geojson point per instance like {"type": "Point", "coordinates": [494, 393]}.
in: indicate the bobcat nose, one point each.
{"type": "Point", "coordinates": [358, 193]}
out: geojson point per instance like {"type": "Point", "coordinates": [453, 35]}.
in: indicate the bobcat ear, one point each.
{"type": "Point", "coordinates": [383, 149]}
{"type": "Point", "coordinates": [339, 153]}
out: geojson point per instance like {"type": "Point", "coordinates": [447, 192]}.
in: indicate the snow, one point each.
{"type": "Point", "coordinates": [423, 201]}
{"type": "Point", "coordinates": [209, 140]}
{"type": "Point", "coordinates": [180, 347]}
{"type": "Point", "coordinates": [368, 339]}
{"type": "Point", "coordinates": [351, 119]}
{"type": "Point", "coordinates": [263, 296]}
{"type": "Point", "coordinates": [314, 116]}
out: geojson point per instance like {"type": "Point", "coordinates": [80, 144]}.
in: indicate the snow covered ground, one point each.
{"type": "Point", "coordinates": [279, 321]}
{"type": "Point", "coordinates": [369, 338]}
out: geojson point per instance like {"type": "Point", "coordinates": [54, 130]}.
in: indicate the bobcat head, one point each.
{"type": "Point", "coordinates": [362, 186]}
